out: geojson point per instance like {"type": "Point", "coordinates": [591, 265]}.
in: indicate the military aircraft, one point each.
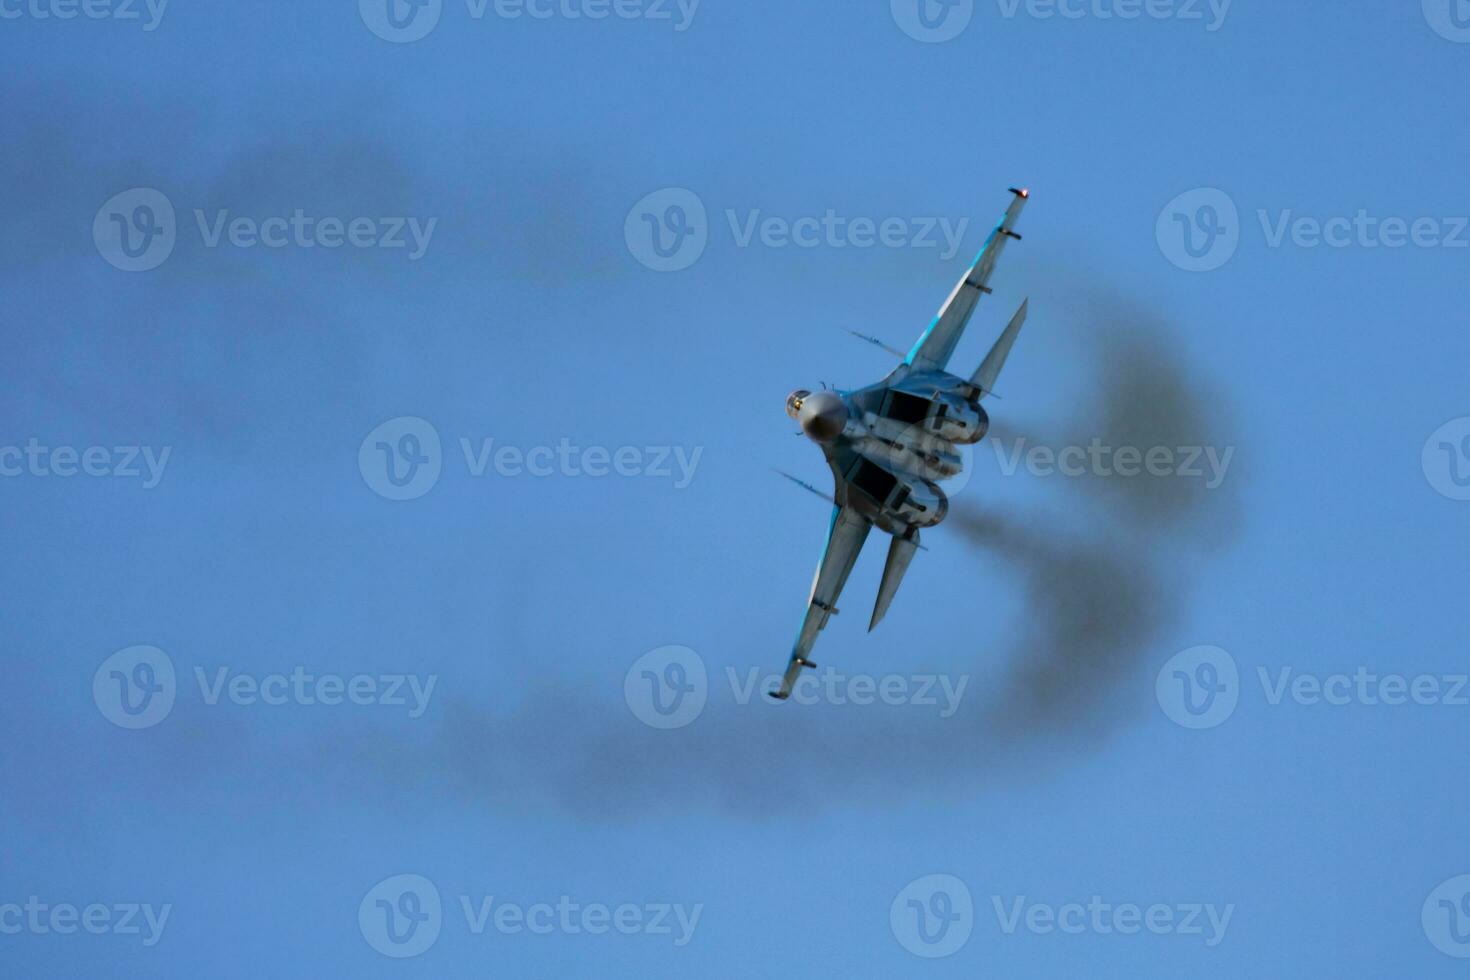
{"type": "Point", "coordinates": [890, 444]}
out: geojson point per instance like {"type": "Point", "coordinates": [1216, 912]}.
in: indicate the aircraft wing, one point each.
{"type": "Point", "coordinates": [844, 542]}
{"type": "Point", "coordinates": [934, 348]}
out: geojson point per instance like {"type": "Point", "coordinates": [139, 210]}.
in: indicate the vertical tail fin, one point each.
{"type": "Point", "coordinates": [900, 553]}
{"type": "Point", "coordinates": [989, 369]}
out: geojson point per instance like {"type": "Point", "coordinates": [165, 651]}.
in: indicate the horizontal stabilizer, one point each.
{"type": "Point", "coordinates": [989, 370]}
{"type": "Point", "coordinates": [900, 553]}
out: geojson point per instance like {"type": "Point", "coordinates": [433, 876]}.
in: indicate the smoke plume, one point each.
{"type": "Point", "coordinates": [1101, 564]}
{"type": "Point", "coordinates": [1105, 568]}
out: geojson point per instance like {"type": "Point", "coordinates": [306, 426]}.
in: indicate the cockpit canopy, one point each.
{"type": "Point", "coordinates": [794, 400]}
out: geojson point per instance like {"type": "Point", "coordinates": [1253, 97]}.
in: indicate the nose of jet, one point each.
{"type": "Point", "coordinates": [822, 416]}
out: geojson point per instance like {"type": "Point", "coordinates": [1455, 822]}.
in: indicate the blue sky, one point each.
{"type": "Point", "coordinates": [237, 523]}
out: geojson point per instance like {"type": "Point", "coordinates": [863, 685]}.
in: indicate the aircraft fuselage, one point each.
{"type": "Point", "coordinates": [891, 444]}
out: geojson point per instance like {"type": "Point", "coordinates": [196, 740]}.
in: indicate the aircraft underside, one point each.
{"type": "Point", "coordinates": [891, 445]}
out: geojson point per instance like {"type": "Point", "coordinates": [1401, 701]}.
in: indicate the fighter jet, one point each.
{"type": "Point", "coordinates": [891, 444]}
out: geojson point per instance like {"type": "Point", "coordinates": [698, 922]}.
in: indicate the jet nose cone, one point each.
{"type": "Point", "coordinates": [822, 416]}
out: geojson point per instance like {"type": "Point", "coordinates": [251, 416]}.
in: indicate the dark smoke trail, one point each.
{"type": "Point", "coordinates": [1101, 596]}
{"type": "Point", "coordinates": [1102, 568]}
{"type": "Point", "coordinates": [1093, 606]}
